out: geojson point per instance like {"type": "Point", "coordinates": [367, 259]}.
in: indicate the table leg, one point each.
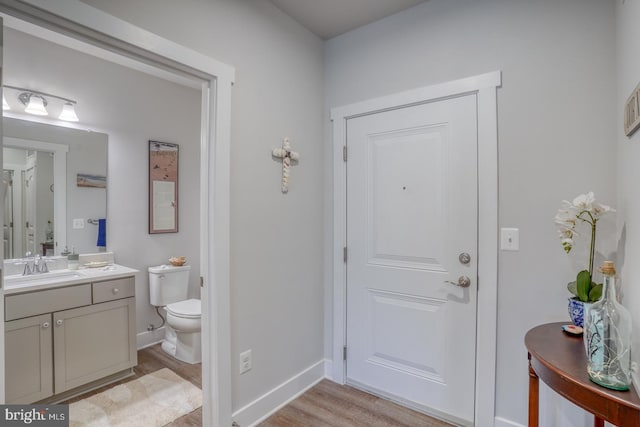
{"type": "Point", "coordinates": [533, 396]}
{"type": "Point", "coordinates": [598, 422]}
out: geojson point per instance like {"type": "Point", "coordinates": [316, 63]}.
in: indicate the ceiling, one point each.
{"type": "Point", "coordinates": [329, 18]}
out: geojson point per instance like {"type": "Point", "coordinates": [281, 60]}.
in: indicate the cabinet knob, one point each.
{"type": "Point", "coordinates": [45, 325]}
{"type": "Point", "coordinates": [115, 290]}
{"type": "Point", "coordinates": [59, 322]}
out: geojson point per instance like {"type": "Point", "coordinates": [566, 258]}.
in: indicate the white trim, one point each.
{"type": "Point", "coordinates": [485, 86]}
{"type": "Point", "coordinates": [503, 422]}
{"type": "Point", "coordinates": [214, 193]}
{"type": "Point", "coordinates": [81, 13]}
{"type": "Point", "coordinates": [148, 338]}
{"type": "Point", "coordinates": [328, 367]}
{"type": "Point", "coordinates": [270, 402]}
{"type": "Point", "coordinates": [69, 42]}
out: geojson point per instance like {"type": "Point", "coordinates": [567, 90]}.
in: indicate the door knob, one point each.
{"type": "Point", "coordinates": [464, 258]}
{"type": "Point", "coordinates": [463, 282]}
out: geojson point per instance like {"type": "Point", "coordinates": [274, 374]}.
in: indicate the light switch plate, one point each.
{"type": "Point", "coordinates": [78, 223]}
{"type": "Point", "coordinates": [509, 239]}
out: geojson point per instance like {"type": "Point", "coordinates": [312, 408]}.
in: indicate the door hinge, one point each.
{"type": "Point", "coordinates": [344, 254]}
{"type": "Point", "coordinates": [344, 153]}
{"type": "Point", "coordinates": [344, 353]}
{"type": "Point", "coordinates": [201, 281]}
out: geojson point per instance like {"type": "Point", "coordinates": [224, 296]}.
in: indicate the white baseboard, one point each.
{"type": "Point", "coordinates": [264, 406]}
{"type": "Point", "coordinates": [149, 338]}
{"type": "Point", "coordinates": [328, 369]}
{"type": "Point", "coordinates": [503, 422]}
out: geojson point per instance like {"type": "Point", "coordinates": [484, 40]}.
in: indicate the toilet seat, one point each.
{"type": "Point", "coordinates": [187, 309]}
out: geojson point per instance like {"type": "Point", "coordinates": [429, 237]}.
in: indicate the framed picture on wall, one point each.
{"type": "Point", "coordinates": [632, 112]}
{"type": "Point", "coordinates": [163, 187]}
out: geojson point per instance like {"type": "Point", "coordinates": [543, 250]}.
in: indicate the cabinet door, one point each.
{"type": "Point", "coordinates": [28, 359]}
{"type": "Point", "coordinates": [93, 342]}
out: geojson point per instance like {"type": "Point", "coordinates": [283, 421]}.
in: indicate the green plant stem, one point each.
{"type": "Point", "coordinates": [593, 249]}
{"type": "Point", "coordinates": [592, 221]}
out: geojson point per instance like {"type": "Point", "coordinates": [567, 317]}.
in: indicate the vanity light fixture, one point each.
{"type": "Point", "coordinates": [68, 113]}
{"type": "Point", "coordinates": [36, 102]}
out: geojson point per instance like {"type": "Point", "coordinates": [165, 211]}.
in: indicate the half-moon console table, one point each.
{"type": "Point", "coordinates": [560, 360]}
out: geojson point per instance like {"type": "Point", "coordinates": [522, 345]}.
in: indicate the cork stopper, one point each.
{"type": "Point", "coordinates": [608, 267]}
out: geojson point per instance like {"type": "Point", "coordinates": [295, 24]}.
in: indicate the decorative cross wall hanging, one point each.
{"type": "Point", "coordinates": [288, 156]}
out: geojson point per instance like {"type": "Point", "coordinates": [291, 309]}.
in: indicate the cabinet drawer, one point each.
{"type": "Point", "coordinates": [113, 289]}
{"type": "Point", "coordinates": [40, 302]}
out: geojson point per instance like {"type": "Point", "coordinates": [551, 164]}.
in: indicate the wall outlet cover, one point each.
{"type": "Point", "coordinates": [245, 361]}
{"type": "Point", "coordinates": [78, 223]}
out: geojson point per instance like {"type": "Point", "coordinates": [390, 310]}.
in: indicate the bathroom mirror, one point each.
{"type": "Point", "coordinates": [49, 205]}
{"type": "Point", "coordinates": [163, 187]}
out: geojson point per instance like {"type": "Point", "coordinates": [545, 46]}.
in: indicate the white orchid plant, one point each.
{"type": "Point", "coordinates": [583, 209]}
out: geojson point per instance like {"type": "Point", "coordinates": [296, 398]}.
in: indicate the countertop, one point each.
{"type": "Point", "coordinates": [58, 278]}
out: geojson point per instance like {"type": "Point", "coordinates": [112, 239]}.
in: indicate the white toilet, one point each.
{"type": "Point", "coordinates": [168, 287]}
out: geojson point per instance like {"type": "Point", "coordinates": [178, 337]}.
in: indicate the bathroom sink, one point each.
{"type": "Point", "coordinates": [55, 276]}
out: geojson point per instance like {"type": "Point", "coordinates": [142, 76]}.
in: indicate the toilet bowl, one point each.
{"type": "Point", "coordinates": [182, 336]}
{"type": "Point", "coordinates": [168, 288]}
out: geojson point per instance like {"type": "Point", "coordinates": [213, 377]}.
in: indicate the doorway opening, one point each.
{"type": "Point", "coordinates": [86, 29]}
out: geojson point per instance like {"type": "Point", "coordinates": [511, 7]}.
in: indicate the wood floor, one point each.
{"type": "Point", "coordinates": [152, 359]}
{"type": "Point", "coordinates": [331, 405]}
{"type": "Point", "coordinates": [325, 405]}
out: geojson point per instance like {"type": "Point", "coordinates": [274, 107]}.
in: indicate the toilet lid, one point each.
{"type": "Point", "coordinates": [189, 309]}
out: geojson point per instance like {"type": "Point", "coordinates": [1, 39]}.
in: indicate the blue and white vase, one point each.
{"type": "Point", "coordinates": [576, 311]}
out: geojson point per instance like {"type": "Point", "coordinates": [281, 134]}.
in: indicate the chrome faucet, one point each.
{"type": "Point", "coordinates": [43, 267]}
{"type": "Point", "coordinates": [39, 265]}
{"type": "Point", "coordinates": [27, 270]}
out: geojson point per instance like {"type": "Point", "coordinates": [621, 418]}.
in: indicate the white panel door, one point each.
{"type": "Point", "coordinates": [411, 212]}
{"type": "Point", "coordinates": [29, 192]}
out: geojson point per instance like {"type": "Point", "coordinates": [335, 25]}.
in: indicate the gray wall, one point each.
{"type": "Point", "coordinates": [131, 108]}
{"type": "Point", "coordinates": [628, 68]}
{"type": "Point", "coordinates": [555, 114]}
{"type": "Point", "coordinates": [276, 239]}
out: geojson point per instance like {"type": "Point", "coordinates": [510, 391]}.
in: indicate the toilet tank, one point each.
{"type": "Point", "coordinates": [168, 284]}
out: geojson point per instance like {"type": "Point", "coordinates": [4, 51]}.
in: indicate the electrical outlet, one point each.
{"type": "Point", "coordinates": [78, 223]}
{"type": "Point", "coordinates": [245, 361]}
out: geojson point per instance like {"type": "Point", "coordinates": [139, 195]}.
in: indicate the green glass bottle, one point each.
{"type": "Point", "coordinates": [608, 336]}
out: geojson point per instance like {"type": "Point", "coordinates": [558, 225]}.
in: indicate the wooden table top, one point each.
{"type": "Point", "coordinates": [560, 360]}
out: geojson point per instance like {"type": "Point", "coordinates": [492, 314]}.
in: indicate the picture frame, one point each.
{"type": "Point", "coordinates": [163, 187]}
{"type": "Point", "coordinates": [632, 112]}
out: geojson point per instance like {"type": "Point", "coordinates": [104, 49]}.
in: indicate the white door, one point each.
{"type": "Point", "coordinates": [7, 182]}
{"type": "Point", "coordinates": [29, 194]}
{"type": "Point", "coordinates": [411, 213]}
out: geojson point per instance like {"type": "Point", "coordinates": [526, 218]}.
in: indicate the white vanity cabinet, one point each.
{"type": "Point", "coordinates": [61, 339]}
{"type": "Point", "coordinates": [28, 359]}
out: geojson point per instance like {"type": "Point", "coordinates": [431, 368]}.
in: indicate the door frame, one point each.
{"type": "Point", "coordinates": [90, 25]}
{"type": "Point", "coordinates": [484, 86]}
